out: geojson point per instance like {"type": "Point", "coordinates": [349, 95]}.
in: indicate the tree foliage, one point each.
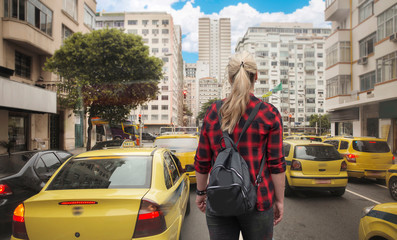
{"type": "Point", "coordinates": [205, 107]}
{"type": "Point", "coordinates": [322, 121]}
{"type": "Point", "coordinates": [105, 73]}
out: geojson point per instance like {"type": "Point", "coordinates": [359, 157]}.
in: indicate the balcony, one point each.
{"type": "Point", "coordinates": [25, 35]}
{"type": "Point", "coordinates": [310, 68]}
{"type": "Point", "coordinates": [338, 10]}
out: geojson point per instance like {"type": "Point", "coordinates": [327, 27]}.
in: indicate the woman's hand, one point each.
{"type": "Point", "coordinates": [201, 202]}
{"type": "Point", "coordinates": [278, 209]}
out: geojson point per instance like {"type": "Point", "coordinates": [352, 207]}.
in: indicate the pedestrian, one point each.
{"type": "Point", "coordinates": [263, 136]}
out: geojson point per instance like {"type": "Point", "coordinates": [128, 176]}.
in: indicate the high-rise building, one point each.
{"type": "Point", "coordinates": [31, 31]}
{"type": "Point", "coordinates": [209, 88]}
{"type": "Point", "coordinates": [361, 70]}
{"type": "Point", "coordinates": [215, 44]}
{"type": "Point", "coordinates": [190, 87]}
{"type": "Point", "coordinates": [164, 40]}
{"type": "Point", "coordinates": [290, 54]}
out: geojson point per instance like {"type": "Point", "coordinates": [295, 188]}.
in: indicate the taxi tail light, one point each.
{"type": "Point", "coordinates": [351, 158]}
{"type": "Point", "coordinates": [343, 166]}
{"type": "Point", "coordinates": [150, 220]}
{"type": "Point", "coordinates": [5, 190]}
{"type": "Point", "coordinates": [18, 223]}
{"type": "Point", "coordinates": [394, 160]}
{"type": "Point", "coordinates": [296, 165]}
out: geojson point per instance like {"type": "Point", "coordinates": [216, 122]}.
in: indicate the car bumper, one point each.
{"type": "Point", "coordinates": [318, 182]}
{"type": "Point", "coordinates": [379, 174]}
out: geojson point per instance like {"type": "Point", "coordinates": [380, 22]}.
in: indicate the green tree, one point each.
{"type": "Point", "coordinates": [105, 73]}
{"type": "Point", "coordinates": [322, 121]}
{"type": "Point", "coordinates": [204, 108]}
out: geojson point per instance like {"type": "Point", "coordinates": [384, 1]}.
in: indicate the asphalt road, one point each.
{"type": "Point", "coordinates": [310, 215]}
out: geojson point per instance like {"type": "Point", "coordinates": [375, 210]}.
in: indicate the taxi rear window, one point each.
{"type": "Point", "coordinates": [371, 146]}
{"type": "Point", "coordinates": [102, 173]}
{"type": "Point", "coordinates": [316, 139]}
{"type": "Point", "coordinates": [177, 144]}
{"type": "Point", "coordinates": [316, 153]}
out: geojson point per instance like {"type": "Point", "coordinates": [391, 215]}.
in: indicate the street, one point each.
{"type": "Point", "coordinates": [308, 215]}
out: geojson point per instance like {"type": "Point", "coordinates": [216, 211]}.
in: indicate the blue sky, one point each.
{"type": "Point", "coordinates": [243, 14]}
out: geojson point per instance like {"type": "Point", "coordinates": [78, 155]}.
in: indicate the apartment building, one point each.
{"type": "Point", "coordinates": [190, 86]}
{"type": "Point", "coordinates": [164, 40]}
{"type": "Point", "coordinates": [209, 88]}
{"type": "Point", "coordinates": [292, 54]}
{"type": "Point", "coordinates": [30, 32]}
{"type": "Point", "coordinates": [361, 71]}
{"type": "Point", "coordinates": [215, 44]}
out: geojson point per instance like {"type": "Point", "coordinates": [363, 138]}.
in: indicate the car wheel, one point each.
{"type": "Point", "coordinates": [338, 192]}
{"type": "Point", "coordinates": [188, 207]}
{"type": "Point", "coordinates": [288, 192]}
{"type": "Point", "coordinates": [393, 188]}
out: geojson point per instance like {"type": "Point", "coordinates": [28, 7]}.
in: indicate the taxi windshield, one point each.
{"type": "Point", "coordinates": [371, 146]}
{"type": "Point", "coordinates": [177, 144]}
{"type": "Point", "coordinates": [88, 173]}
{"type": "Point", "coordinates": [317, 153]}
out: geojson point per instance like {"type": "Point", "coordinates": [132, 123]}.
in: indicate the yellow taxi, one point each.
{"type": "Point", "coordinates": [184, 146]}
{"type": "Point", "coordinates": [314, 166]}
{"type": "Point", "coordinates": [126, 193]}
{"type": "Point", "coordinates": [367, 157]}
{"type": "Point", "coordinates": [306, 137]}
{"type": "Point", "coordinates": [379, 222]}
{"type": "Point", "coordinates": [391, 181]}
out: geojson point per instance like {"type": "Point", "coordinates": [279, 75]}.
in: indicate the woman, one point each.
{"type": "Point", "coordinates": [265, 132]}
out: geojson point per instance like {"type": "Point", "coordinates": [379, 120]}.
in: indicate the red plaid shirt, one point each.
{"type": "Point", "coordinates": [265, 132]}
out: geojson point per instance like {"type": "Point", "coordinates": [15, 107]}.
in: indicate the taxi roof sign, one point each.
{"type": "Point", "coordinates": [128, 144]}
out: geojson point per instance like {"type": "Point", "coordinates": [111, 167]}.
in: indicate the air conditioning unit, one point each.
{"type": "Point", "coordinates": [362, 61]}
{"type": "Point", "coordinates": [393, 37]}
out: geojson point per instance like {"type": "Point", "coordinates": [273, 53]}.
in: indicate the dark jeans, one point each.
{"type": "Point", "coordinates": [255, 225]}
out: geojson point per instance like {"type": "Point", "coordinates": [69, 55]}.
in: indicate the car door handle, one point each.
{"type": "Point", "coordinates": [322, 170]}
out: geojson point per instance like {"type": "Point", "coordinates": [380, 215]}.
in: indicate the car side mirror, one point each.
{"type": "Point", "coordinates": [189, 168]}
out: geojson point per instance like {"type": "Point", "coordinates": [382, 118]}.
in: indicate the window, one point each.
{"type": "Point", "coordinates": [164, 31]}
{"type": "Point", "coordinates": [309, 54]}
{"type": "Point", "coordinates": [320, 55]}
{"type": "Point", "coordinates": [310, 91]}
{"type": "Point", "coordinates": [66, 32]}
{"type": "Point", "coordinates": [70, 6]}
{"type": "Point", "coordinates": [338, 85]}
{"type": "Point", "coordinates": [165, 59]}
{"type": "Point", "coordinates": [145, 22]}
{"type": "Point", "coordinates": [164, 40]}
{"type": "Point", "coordinates": [22, 65]}
{"type": "Point", "coordinates": [155, 31]}
{"type": "Point", "coordinates": [367, 45]}
{"type": "Point", "coordinates": [155, 107]}
{"type": "Point", "coordinates": [155, 117]}
{"type": "Point", "coordinates": [165, 22]}
{"type": "Point", "coordinates": [145, 31]}
{"type": "Point", "coordinates": [261, 53]}
{"type": "Point", "coordinates": [155, 40]}
{"type": "Point", "coordinates": [386, 67]}
{"type": "Point", "coordinates": [109, 24]}
{"type": "Point", "coordinates": [99, 24]}
{"type": "Point", "coordinates": [274, 45]}
{"type": "Point", "coordinates": [365, 10]}
{"type": "Point", "coordinates": [367, 81]}
{"type": "Point", "coordinates": [164, 117]}
{"type": "Point", "coordinates": [164, 50]}
{"type": "Point", "coordinates": [339, 52]}
{"type": "Point", "coordinates": [164, 107]}
{"type": "Point", "coordinates": [320, 64]}
{"type": "Point", "coordinates": [387, 22]}
{"type": "Point", "coordinates": [173, 169]}
{"type": "Point", "coordinates": [132, 22]}
{"type": "Point", "coordinates": [164, 97]}
{"type": "Point", "coordinates": [164, 88]}
{"type": "Point", "coordinates": [119, 23]}
{"type": "Point", "coordinates": [145, 40]}
{"type": "Point", "coordinates": [274, 63]}
{"type": "Point", "coordinates": [132, 31]}
{"type": "Point", "coordinates": [155, 50]}
{"type": "Point", "coordinates": [89, 17]}
{"type": "Point", "coordinates": [155, 22]}
{"type": "Point", "coordinates": [335, 143]}
{"type": "Point", "coordinates": [344, 145]}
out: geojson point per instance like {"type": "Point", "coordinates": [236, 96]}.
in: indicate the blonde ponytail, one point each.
{"type": "Point", "coordinates": [242, 71]}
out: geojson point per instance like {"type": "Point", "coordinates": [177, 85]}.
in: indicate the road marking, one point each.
{"type": "Point", "coordinates": [359, 195]}
{"type": "Point", "coordinates": [382, 186]}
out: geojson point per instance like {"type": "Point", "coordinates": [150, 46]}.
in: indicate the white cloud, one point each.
{"type": "Point", "coordinates": [242, 16]}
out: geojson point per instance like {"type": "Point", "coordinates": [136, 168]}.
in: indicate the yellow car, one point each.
{"type": "Point", "coordinates": [306, 137]}
{"type": "Point", "coordinates": [391, 181]}
{"type": "Point", "coordinates": [379, 222]}
{"type": "Point", "coordinates": [127, 193]}
{"type": "Point", "coordinates": [184, 146]}
{"type": "Point", "coordinates": [314, 166]}
{"type": "Point", "coordinates": [367, 157]}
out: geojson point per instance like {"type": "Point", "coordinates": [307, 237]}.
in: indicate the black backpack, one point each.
{"type": "Point", "coordinates": [230, 191]}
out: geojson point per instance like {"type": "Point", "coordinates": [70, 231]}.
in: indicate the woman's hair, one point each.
{"type": "Point", "coordinates": [242, 71]}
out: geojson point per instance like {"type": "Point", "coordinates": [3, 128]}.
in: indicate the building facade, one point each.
{"type": "Point", "coordinates": [361, 71]}
{"type": "Point", "coordinates": [292, 54]}
{"type": "Point", "coordinates": [164, 40]}
{"type": "Point", "coordinates": [215, 44]}
{"type": "Point", "coordinates": [30, 32]}
{"type": "Point", "coordinates": [190, 89]}
{"type": "Point", "coordinates": [209, 89]}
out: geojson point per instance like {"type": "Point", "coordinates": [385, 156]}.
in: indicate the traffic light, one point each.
{"type": "Point", "coordinates": [140, 118]}
{"type": "Point", "coordinates": [184, 94]}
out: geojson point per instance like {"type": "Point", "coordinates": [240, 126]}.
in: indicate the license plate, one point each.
{"type": "Point", "coordinates": [322, 181]}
